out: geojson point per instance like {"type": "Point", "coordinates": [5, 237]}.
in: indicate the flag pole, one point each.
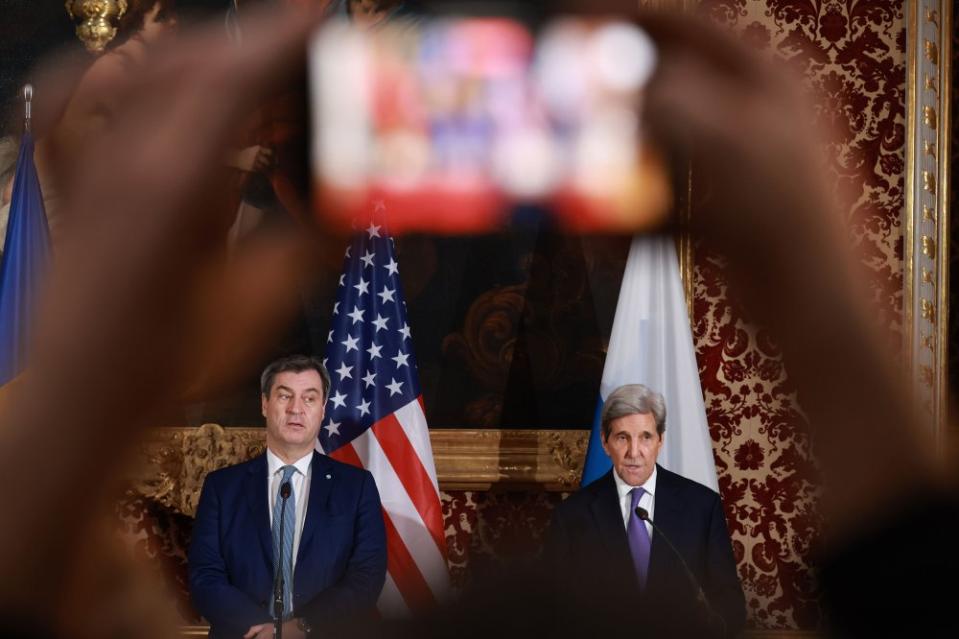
{"type": "Point", "coordinates": [27, 106]}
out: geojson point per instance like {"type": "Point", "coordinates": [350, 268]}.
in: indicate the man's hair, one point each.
{"type": "Point", "coordinates": [132, 21]}
{"type": "Point", "coordinates": [633, 399]}
{"type": "Point", "coordinates": [294, 364]}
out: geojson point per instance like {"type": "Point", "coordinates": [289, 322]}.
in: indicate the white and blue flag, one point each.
{"type": "Point", "coordinates": [652, 344]}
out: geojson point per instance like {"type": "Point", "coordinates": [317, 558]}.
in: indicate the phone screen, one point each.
{"type": "Point", "coordinates": [452, 125]}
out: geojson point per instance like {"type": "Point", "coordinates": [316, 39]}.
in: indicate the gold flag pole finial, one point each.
{"type": "Point", "coordinates": [96, 21]}
{"type": "Point", "coordinates": [27, 106]}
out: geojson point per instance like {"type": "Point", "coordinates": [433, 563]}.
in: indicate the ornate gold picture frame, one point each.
{"type": "Point", "coordinates": [926, 215]}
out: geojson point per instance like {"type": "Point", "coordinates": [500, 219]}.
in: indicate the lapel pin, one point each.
{"type": "Point", "coordinates": [329, 476]}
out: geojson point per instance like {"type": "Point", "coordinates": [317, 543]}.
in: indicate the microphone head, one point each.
{"type": "Point", "coordinates": [285, 490]}
{"type": "Point", "coordinates": [641, 513]}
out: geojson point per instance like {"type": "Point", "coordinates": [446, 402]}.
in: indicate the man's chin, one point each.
{"type": "Point", "coordinates": [297, 437]}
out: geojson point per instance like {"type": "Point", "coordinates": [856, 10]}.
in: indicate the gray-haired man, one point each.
{"type": "Point", "coordinates": [600, 543]}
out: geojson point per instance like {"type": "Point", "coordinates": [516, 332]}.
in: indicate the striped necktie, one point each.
{"type": "Point", "coordinates": [286, 561]}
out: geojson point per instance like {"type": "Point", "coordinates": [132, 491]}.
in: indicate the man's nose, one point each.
{"type": "Point", "coordinates": [633, 449]}
{"type": "Point", "coordinates": [295, 406]}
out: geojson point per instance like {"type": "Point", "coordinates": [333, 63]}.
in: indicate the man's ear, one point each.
{"type": "Point", "coordinates": [263, 402]}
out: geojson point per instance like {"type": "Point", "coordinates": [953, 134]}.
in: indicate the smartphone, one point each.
{"type": "Point", "coordinates": [453, 125]}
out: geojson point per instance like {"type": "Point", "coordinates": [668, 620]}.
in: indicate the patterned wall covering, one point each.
{"type": "Point", "coordinates": [851, 54]}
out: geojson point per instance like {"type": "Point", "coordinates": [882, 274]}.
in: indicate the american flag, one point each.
{"type": "Point", "coordinates": [375, 420]}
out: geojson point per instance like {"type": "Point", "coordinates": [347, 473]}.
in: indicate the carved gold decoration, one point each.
{"type": "Point", "coordinates": [569, 455]}
{"type": "Point", "coordinates": [480, 459]}
{"type": "Point", "coordinates": [926, 375]}
{"type": "Point", "coordinates": [97, 21]}
{"type": "Point", "coordinates": [929, 341]}
{"type": "Point", "coordinates": [929, 41]}
{"type": "Point", "coordinates": [174, 461]}
{"type": "Point", "coordinates": [179, 459]}
{"type": "Point", "coordinates": [929, 247]}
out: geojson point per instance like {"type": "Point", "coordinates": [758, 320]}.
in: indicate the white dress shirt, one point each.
{"type": "Point", "coordinates": [300, 484]}
{"type": "Point", "coordinates": [647, 501]}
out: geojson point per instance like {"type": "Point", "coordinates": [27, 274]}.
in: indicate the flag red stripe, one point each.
{"type": "Point", "coordinates": [416, 592]}
{"type": "Point", "coordinates": [347, 455]}
{"type": "Point", "coordinates": [417, 482]}
{"type": "Point", "coordinates": [400, 564]}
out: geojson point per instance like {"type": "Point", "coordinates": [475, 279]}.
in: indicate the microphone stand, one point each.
{"type": "Point", "coordinates": [700, 594]}
{"type": "Point", "coordinates": [278, 581]}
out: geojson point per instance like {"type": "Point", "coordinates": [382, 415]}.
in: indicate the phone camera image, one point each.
{"type": "Point", "coordinates": [452, 125]}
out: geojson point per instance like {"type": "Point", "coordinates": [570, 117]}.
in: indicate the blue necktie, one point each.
{"type": "Point", "coordinates": [638, 536]}
{"type": "Point", "coordinates": [286, 561]}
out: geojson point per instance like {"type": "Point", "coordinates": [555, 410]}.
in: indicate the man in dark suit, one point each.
{"type": "Point", "coordinates": [333, 553]}
{"type": "Point", "coordinates": [603, 551]}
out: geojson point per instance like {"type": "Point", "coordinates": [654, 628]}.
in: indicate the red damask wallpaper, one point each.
{"type": "Point", "coordinates": [851, 55]}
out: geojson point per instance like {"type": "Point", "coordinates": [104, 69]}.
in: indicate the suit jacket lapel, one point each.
{"type": "Point", "coordinates": [256, 498]}
{"type": "Point", "coordinates": [668, 513]}
{"type": "Point", "coordinates": [608, 517]}
{"type": "Point", "coordinates": [321, 483]}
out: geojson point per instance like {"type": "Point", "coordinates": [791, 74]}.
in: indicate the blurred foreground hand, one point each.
{"type": "Point", "coordinates": [142, 307]}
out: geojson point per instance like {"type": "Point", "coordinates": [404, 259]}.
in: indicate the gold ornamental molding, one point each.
{"type": "Point", "coordinates": [483, 459]}
{"type": "Point", "coordinates": [172, 462]}
{"type": "Point", "coordinates": [926, 214]}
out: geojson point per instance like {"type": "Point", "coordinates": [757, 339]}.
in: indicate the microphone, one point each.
{"type": "Point", "coordinates": [285, 490]}
{"type": "Point", "coordinates": [643, 514]}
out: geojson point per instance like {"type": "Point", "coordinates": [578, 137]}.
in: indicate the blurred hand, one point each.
{"type": "Point", "coordinates": [142, 305]}
{"type": "Point", "coordinates": [252, 159]}
{"type": "Point", "coordinates": [261, 631]}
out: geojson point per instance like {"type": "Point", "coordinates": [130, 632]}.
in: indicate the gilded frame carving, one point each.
{"type": "Point", "coordinates": [171, 462]}
{"type": "Point", "coordinates": [926, 216]}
